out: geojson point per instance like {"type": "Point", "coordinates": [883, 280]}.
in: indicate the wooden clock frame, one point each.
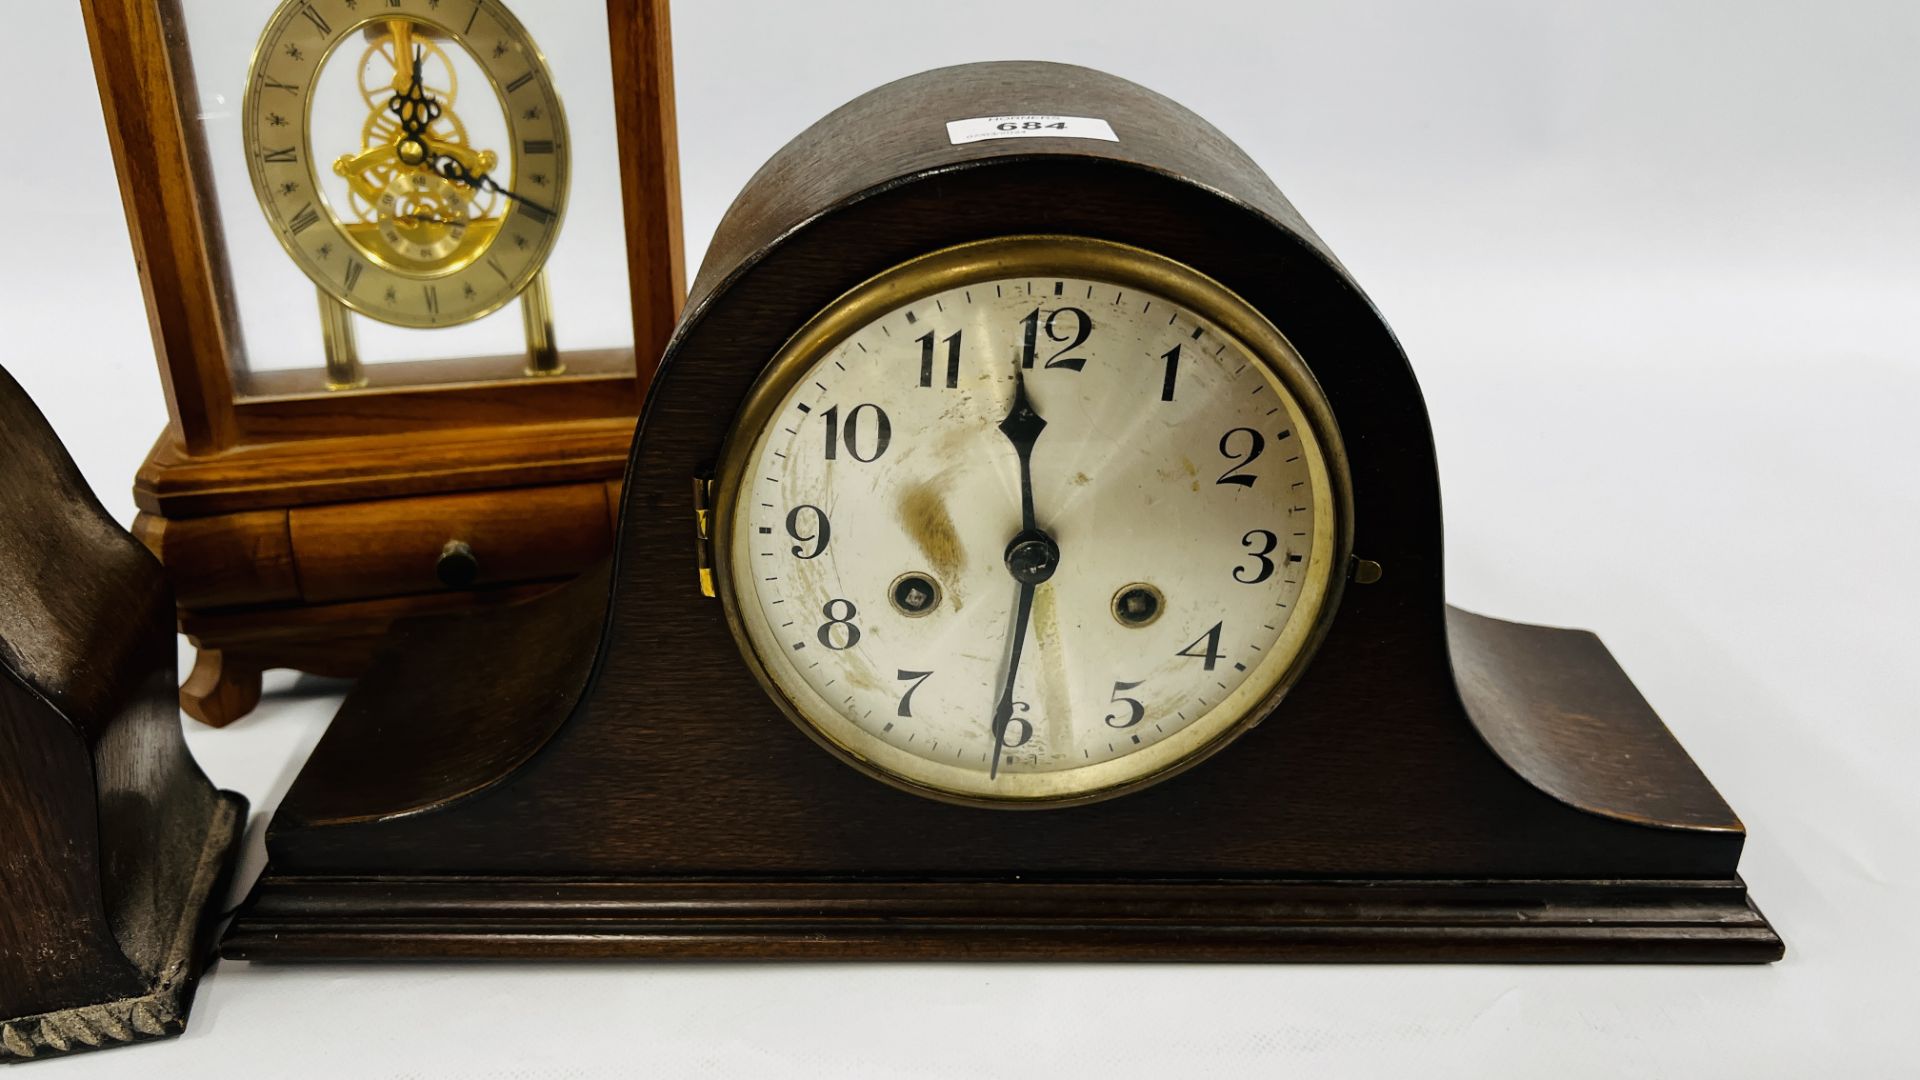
{"type": "Point", "coordinates": [296, 528]}
{"type": "Point", "coordinates": [1437, 786]}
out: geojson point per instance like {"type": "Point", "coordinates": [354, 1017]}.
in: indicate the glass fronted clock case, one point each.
{"type": "Point", "coordinates": [408, 263]}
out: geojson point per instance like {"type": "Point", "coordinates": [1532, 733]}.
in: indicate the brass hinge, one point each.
{"type": "Point", "coordinates": [703, 531]}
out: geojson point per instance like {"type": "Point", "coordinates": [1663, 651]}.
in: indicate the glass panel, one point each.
{"type": "Point", "coordinates": [399, 184]}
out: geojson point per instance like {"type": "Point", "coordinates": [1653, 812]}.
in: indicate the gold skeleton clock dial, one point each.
{"type": "Point", "coordinates": [434, 196]}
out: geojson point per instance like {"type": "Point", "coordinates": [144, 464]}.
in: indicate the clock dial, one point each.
{"type": "Point", "coordinates": [1031, 521]}
{"type": "Point", "coordinates": [410, 154]}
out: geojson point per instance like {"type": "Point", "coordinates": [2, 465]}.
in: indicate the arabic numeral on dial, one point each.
{"type": "Point", "coordinates": [906, 699]}
{"type": "Point", "coordinates": [1211, 654]}
{"type": "Point", "coordinates": [1267, 541]}
{"type": "Point", "coordinates": [953, 359]}
{"type": "Point", "coordinates": [1073, 339]}
{"type": "Point", "coordinates": [855, 443]}
{"type": "Point", "coordinates": [1135, 711]}
{"type": "Point", "coordinates": [821, 531]}
{"type": "Point", "coordinates": [844, 619]}
{"type": "Point", "coordinates": [1023, 725]}
{"type": "Point", "coordinates": [1172, 357]}
{"type": "Point", "coordinates": [1256, 445]}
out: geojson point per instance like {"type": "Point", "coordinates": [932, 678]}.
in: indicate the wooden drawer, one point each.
{"type": "Point", "coordinates": [226, 561]}
{"type": "Point", "coordinates": [393, 547]}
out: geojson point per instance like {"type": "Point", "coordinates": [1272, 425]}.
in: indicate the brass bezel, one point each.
{"type": "Point", "coordinates": [537, 63]}
{"type": "Point", "coordinates": [1071, 256]}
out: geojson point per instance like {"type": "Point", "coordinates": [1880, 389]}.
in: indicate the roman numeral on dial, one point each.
{"type": "Point", "coordinates": [302, 221]}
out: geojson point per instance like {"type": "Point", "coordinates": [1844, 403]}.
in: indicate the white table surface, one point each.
{"type": "Point", "coordinates": [1656, 268]}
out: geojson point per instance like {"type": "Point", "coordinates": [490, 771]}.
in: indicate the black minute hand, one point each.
{"type": "Point", "coordinates": [1031, 557]}
{"type": "Point", "coordinates": [1003, 712]}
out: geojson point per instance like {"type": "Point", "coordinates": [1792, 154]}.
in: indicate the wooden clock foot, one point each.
{"type": "Point", "coordinates": [223, 688]}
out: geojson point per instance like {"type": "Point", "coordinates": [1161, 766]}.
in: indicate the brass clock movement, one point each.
{"type": "Point", "coordinates": [1065, 582]}
{"type": "Point", "coordinates": [408, 275]}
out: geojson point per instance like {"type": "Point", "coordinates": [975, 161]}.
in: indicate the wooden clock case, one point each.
{"type": "Point", "coordinates": [114, 847]}
{"type": "Point", "coordinates": [597, 773]}
{"type": "Point", "coordinates": [295, 528]}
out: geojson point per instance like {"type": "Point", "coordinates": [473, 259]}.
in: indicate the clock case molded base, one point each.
{"type": "Point", "coordinates": [1550, 703]}
{"type": "Point", "coordinates": [1385, 921]}
{"type": "Point", "coordinates": [1437, 785]}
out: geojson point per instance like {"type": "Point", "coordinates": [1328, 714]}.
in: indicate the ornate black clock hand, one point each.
{"type": "Point", "coordinates": [1031, 557]}
{"type": "Point", "coordinates": [1022, 428]}
{"type": "Point", "coordinates": [452, 169]}
{"type": "Point", "coordinates": [410, 105]}
{"type": "Point", "coordinates": [416, 110]}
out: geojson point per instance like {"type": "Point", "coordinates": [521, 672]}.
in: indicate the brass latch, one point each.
{"type": "Point", "coordinates": [703, 531]}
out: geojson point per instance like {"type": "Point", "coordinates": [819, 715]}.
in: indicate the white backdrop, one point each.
{"type": "Point", "coordinates": [1655, 265]}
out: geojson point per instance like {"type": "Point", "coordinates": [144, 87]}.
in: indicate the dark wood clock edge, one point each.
{"type": "Point", "coordinates": [1398, 921]}
{"type": "Point", "coordinates": [161, 1010]}
{"type": "Point", "coordinates": [1555, 706]}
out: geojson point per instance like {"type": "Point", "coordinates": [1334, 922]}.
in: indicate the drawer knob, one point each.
{"type": "Point", "coordinates": [458, 566]}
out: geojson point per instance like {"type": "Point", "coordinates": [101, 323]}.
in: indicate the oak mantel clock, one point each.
{"type": "Point", "coordinates": [408, 264]}
{"type": "Point", "coordinates": [1031, 548]}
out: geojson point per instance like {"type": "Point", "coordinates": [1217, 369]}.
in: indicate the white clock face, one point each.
{"type": "Point", "coordinates": [1012, 534]}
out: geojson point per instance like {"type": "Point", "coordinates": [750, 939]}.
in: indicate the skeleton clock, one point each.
{"type": "Point", "coordinates": [408, 265]}
{"type": "Point", "coordinates": [1030, 549]}
{"type": "Point", "coordinates": [446, 195]}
